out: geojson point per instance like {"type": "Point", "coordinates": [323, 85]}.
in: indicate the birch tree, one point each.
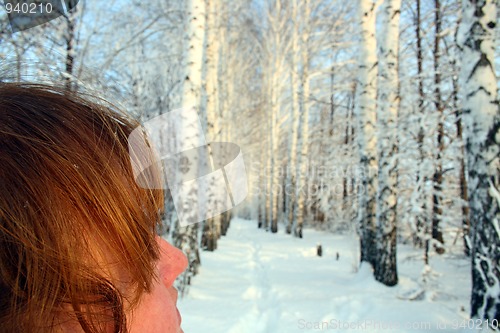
{"type": "Point", "coordinates": [303, 135]}
{"type": "Point", "coordinates": [387, 114]}
{"type": "Point", "coordinates": [187, 237]}
{"type": "Point", "coordinates": [367, 140]}
{"type": "Point", "coordinates": [276, 50]}
{"type": "Point", "coordinates": [295, 114]}
{"type": "Point", "coordinates": [482, 131]}
{"type": "Point", "coordinates": [212, 227]}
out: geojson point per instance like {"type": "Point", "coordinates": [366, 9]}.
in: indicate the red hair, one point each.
{"type": "Point", "coordinates": [77, 235]}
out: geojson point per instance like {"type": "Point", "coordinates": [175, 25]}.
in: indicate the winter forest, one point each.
{"type": "Point", "coordinates": [370, 123]}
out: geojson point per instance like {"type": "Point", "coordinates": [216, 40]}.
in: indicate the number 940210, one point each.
{"type": "Point", "coordinates": [28, 8]}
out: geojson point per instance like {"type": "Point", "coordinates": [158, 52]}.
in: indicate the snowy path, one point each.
{"type": "Point", "coordinates": [258, 282]}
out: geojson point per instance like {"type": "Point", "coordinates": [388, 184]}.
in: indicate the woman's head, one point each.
{"type": "Point", "coordinates": [77, 235]}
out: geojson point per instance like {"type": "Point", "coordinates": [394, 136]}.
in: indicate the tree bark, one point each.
{"type": "Point", "coordinates": [437, 209]}
{"type": "Point", "coordinates": [367, 140]}
{"type": "Point", "coordinates": [187, 237]}
{"type": "Point", "coordinates": [422, 223]}
{"type": "Point", "coordinates": [211, 231]}
{"type": "Point", "coordinates": [387, 116]}
{"type": "Point", "coordinates": [292, 180]}
{"type": "Point", "coordinates": [463, 180]}
{"type": "Point", "coordinates": [482, 129]}
{"type": "Point", "coordinates": [69, 38]}
{"type": "Point", "coordinates": [303, 139]}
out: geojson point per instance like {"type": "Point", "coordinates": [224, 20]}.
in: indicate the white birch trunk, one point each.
{"type": "Point", "coordinates": [212, 74]}
{"type": "Point", "coordinates": [224, 92]}
{"type": "Point", "coordinates": [273, 149]}
{"type": "Point", "coordinates": [269, 153]}
{"type": "Point", "coordinates": [291, 176]}
{"type": "Point", "coordinates": [191, 95]}
{"type": "Point", "coordinates": [188, 238]}
{"type": "Point", "coordinates": [212, 228]}
{"type": "Point", "coordinates": [366, 114]}
{"type": "Point", "coordinates": [302, 140]}
{"type": "Point", "coordinates": [481, 117]}
{"type": "Point", "coordinates": [277, 26]}
{"type": "Point", "coordinates": [387, 114]}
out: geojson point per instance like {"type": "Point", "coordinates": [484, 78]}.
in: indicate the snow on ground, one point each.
{"type": "Point", "coordinates": [258, 282]}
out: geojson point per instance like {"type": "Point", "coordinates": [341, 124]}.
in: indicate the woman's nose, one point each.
{"type": "Point", "coordinates": [172, 262]}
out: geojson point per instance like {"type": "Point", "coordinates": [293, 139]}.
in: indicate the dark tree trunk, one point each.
{"type": "Point", "coordinates": [422, 218]}
{"type": "Point", "coordinates": [260, 218]}
{"type": "Point", "coordinates": [276, 212]}
{"type": "Point", "coordinates": [437, 208]}
{"type": "Point", "coordinates": [292, 203]}
{"type": "Point", "coordinates": [463, 180]}
{"type": "Point", "coordinates": [70, 38]}
{"type": "Point", "coordinates": [225, 222]}
{"type": "Point", "coordinates": [209, 236]}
